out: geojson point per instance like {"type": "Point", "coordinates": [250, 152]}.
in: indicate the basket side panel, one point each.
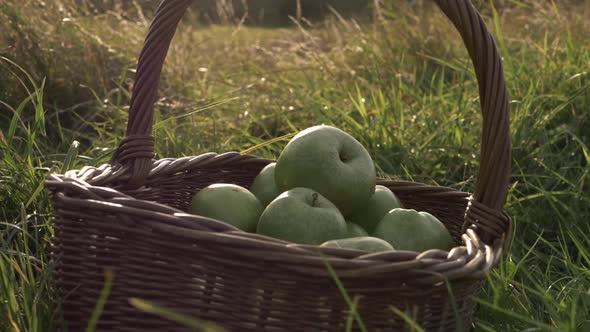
{"type": "Point", "coordinates": [240, 291]}
{"type": "Point", "coordinates": [207, 280]}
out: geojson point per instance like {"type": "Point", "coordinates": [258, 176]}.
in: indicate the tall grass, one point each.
{"type": "Point", "coordinates": [405, 89]}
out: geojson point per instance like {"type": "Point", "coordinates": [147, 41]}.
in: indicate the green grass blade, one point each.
{"type": "Point", "coordinates": [70, 156]}
{"type": "Point", "coordinates": [102, 299]}
{"type": "Point", "coordinates": [414, 326]}
{"type": "Point", "coordinates": [182, 319]}
{"type": "Point", "coordinates": [344, 293]}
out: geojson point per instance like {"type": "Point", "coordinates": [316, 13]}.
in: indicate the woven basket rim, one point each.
{"type": "Point", "coordinates": [473, 259]}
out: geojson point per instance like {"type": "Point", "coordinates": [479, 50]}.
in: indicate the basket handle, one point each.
{"type": "Point", "coordinates": [485, 207]}
{"type": "Point", "coordinates": [137, 149]}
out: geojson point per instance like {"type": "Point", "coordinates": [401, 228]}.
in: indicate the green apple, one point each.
{"type": "Point", "coordinates": [264, 186]}
{"type": "Point", "coordinates": [411, 230]}
{"type": "Point", "coordinates": [369, 215]}
{"type": "Point", "coordinates": [302, 215]}
{"type": "Point", "coordinates": [354, 230]}
{"type": "Point", "coordinates": [331, 162]}
{"type": "Point", "coordinates": [365, 243]}
{"type": "Point", "coordinates": [229, 203]}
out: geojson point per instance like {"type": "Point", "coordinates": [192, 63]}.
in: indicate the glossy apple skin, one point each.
{"type": "Point", "coordinates": [264, 186]}
{"type": "Point", "coordinates": [407, 229]}
{"type": "Point", "coordinates": [354, 230]}
{"type": "Point", "coordinates": [378, 205]}
{"type": "Point", "coordinates": [331, 162]}
{"type": "Point", "coordinates": [364, 243]}
{"type": "Point", "coordinates": [301, 215]}
{"type": "Point", "coordinates": [229, 203]}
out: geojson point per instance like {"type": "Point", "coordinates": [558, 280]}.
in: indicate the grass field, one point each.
{"type": "Point", "coordinates": [405, 89]}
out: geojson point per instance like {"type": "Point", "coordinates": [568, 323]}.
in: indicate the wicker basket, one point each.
{"type": "Point", "coordinates": [128, 216]}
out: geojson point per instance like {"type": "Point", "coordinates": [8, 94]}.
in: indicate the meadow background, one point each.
{"type": "Point", "coordinates": [238, 80]}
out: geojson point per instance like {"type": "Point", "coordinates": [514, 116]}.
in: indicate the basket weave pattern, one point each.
{"type": "Point", "coordinates": [128, 216]}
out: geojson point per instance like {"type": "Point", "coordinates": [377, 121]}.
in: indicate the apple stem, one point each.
{"type": "Point", "coordinates": [315, 199]}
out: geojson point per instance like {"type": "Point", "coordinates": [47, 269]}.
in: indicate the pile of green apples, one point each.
{"type": "Point", "coordinates": [322, 191]}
